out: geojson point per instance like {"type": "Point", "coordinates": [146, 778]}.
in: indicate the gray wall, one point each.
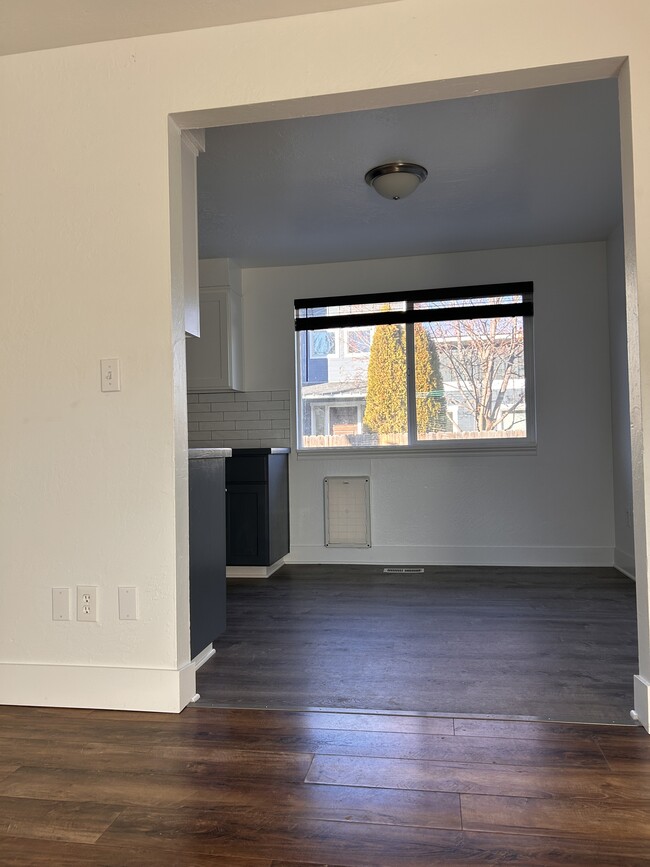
{"type": "Point", "coordinates": [621, 457]}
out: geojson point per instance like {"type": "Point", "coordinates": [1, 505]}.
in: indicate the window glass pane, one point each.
{"type": "Point", "coordinates": [344, 420]}
{"type": "Point", "coordinates": [357, 341]}
{"type": "Point", "coordinates": [318, 418]}
{"type": "Point", "coordinates": [351, 309]}
{"type": "Point", "coordinates": [470, 379]}
{"type": "Point", "coordinates": [322, 344]}
{"type": "Point", "coordinates": [468, 302]}
{"type": "Point", "coordinates": [358, 399]}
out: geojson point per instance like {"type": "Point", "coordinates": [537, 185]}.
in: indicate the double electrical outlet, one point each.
{"type": "Point", "coordinates": [87, 603]}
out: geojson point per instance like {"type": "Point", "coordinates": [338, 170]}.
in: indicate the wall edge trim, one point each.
{"type": "Point", "coordinates": [97, 687]}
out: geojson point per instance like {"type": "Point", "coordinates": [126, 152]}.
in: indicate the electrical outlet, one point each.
{"type": "Point", "coordinates": [87, 603]}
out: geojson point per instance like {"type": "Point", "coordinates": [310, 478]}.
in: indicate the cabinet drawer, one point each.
{"type": "Point", "coordinates": [247, 469]}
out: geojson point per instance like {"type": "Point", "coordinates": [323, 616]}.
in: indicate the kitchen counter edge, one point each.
{"type": "Point", "coordinates": [205, 454]}
{"type": "Point", "coordinates": [260, 451]}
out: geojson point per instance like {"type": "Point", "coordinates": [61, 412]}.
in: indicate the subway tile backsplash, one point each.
{"type": "Point", "coordinates": [251, 419]}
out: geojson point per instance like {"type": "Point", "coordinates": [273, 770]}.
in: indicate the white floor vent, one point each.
{"type": "Point", "coordinates": [347, 511]}
{"type": "Point", "coordinates": [403, 571]}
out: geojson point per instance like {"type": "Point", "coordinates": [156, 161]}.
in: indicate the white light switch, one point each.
{"type": "Point", "coordinates": [60, 603]}
{"type": "Point", "coordinates": [127, 598]}
{"type": "Point", "coordinates": [110, 372]}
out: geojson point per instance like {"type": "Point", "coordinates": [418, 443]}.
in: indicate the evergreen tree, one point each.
{"type": "Point", "coordinates": [429, 394]}
{"type": "Point", "coordinates": [386, 396]}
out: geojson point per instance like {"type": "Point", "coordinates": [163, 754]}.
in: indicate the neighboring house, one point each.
{"type": "Point", "coordinates": [334, 385]}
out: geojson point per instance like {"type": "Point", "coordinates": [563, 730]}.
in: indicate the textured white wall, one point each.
{"type": "Point", "coordinates": [551, 508]}
{"type": "Point", "coordinates": [93, 484]}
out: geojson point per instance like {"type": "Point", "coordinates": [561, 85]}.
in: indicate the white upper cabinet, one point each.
{"type": "Point", "coordinates": [214, 360]}
{"type": "Point", "coordinates": [184, 148]}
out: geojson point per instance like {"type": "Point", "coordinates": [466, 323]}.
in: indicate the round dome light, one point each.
{"type": "Point", "coordinates": [396, 180]}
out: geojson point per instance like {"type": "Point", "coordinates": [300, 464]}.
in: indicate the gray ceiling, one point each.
{"type": "Point", "coordinates": [531, 167]}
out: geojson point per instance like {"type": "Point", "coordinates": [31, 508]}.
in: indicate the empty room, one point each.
{"type": "Point", "coordinates": [500, 482]}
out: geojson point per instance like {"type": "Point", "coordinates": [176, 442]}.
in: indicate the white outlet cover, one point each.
{"type": "Point", "coordinates": [87, 604]}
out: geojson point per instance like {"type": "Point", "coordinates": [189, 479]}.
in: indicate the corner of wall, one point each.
{"type": "Point", "coordinates": [98, 687]}
{"type": "Point", "coordinates": [642, 701]}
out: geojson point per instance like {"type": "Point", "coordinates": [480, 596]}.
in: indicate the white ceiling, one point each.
{"type": "Point", "coordinates": [531, 167]}
{"type": "Point", "coordinates": [31, 25]}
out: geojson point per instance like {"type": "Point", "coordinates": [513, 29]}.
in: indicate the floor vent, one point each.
{"type": "Point", "coordinates": [404, 571]}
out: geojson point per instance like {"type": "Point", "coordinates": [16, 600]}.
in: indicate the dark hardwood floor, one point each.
{"type": "Point", "coordinates": [255, 788]}
{"type": "Point", "coordinates": [235, 787]}
{"type": "Point", "coordinates": [555, 644]}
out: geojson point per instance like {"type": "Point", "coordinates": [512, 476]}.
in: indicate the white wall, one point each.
{"type": "Point", "coordinates": [549, 508]}
{"type": "Point", "coordinates": [621, 445]}
{"type": "Point", "coordinates": [92, 484]}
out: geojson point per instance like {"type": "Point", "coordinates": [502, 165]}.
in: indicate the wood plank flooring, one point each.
{"type": "Point", "coordinates": [262, 788]}
{"type": "Point", "coordinates": [555, 644]}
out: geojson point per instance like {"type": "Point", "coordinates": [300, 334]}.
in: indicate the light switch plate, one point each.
{"type": "Point", "coordinates": [127, 598]}
{"type": "Point", "coordinates": [110, 371]}
{"type": "Point", "coordinates": [60, 603]}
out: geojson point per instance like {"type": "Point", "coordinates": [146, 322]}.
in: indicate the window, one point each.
{"type": "Point", "coordinates": [357, 341]}
{"type": "Point", "coordinates": [323, 344]}
{"type": "Point", "coordinates": [425, 369]}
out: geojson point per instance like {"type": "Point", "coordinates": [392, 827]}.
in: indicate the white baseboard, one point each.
{"type": "Point", "coordinates": [642, 700]}
{"type": "Point", "coordinates": [462, 555]}
{"type": "Point", "coordinates": [625, 563]}
{"type": "Point", "coordinates": [253, 571]}
{"type": "Point", "coordinates": [87, 686]}
{"type": "Point", "coordinates": [202, 657]}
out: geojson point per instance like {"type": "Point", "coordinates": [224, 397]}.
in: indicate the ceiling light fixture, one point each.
{"type": "Point", "coordinates": [396, 180]}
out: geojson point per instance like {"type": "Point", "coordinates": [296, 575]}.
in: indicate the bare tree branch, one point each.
{"type": "Point", "coordinates": [482, 358]}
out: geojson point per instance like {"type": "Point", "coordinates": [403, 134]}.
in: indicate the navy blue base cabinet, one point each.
{"type": "Point", "coordinates": [207, 491]}
{"type": "Point", "coordinates": [257, 506]}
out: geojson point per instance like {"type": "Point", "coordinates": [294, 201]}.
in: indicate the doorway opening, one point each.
{"type": "Point", "coordinates": [257, 330]}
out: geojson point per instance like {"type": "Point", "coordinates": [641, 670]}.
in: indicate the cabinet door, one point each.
{"type": "Point", "coordinates": [278, 469]}
{"type": "Point", "coordinates": [247, 525]}
{"type": "Point", "coordinates": [207, 553]}
{"type": "Point", "coordinates": [207, 355]}
{"type": "Point", "coordinates": [214, 358]}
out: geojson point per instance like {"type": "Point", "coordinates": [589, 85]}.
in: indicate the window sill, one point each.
{"type": "Point", "coordinates": [448, 450]}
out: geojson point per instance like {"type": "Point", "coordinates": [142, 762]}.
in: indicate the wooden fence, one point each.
{"type": "Point", "coordinates": [369, 441]}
